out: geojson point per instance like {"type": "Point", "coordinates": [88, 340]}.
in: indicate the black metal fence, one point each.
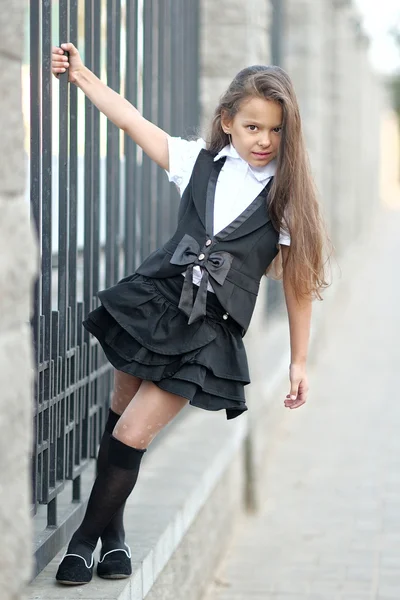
{"type": "Point", "coordinates": [275, 296]}
{"type": "Point", "coordinates": [99, 207]}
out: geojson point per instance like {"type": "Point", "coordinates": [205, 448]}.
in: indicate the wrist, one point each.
{"type": "Point", "coordinates": [79, 76]}
{"type": "Point", "coordinates": [298, 362]}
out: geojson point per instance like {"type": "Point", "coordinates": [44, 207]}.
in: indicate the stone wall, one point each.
{"type": "Point", "coordinates": [17, 267]}
{"type": "Point", "coordinates": [234, 34]}
{"type": "Point", "coordinates": [326, 54]}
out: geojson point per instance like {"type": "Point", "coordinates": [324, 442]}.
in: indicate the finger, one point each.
{"type": "Point", "coordinates": [57, 50]}
{"type": "Point", "coordinates": [58, 61]}
{"type": "Point", "coordinates": [58, 65]}
{"type": "Point", "coordinates": [296, 405]}
{"type": "Point", "coordinates": [56, 56]}
{"type": "Point", "coordinates": [58, 70]}
{"type": "Point", "coordinates": [294, 389]}
{"type": "Point", "coordinates": [69, 48]}
{"type": "Point", "coordinates": [303, 385]}
{"type": "Point", "coordinates": [291, 403]}
{"type": "Point", "coordinates": [301, 398]}
{"type": "Point", "coordinates": [300, 393]}
{"type": "Point", "coordinates": [303, 391]}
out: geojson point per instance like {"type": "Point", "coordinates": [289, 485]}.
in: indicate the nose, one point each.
{"type": "Point", "coordinates": [264, 141]}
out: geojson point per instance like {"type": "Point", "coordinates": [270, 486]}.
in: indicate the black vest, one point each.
{"type": "Point", "coordinates": [234, 260]}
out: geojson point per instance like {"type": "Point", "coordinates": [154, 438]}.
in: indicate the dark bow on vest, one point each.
{"type": "Point", "coordinates": [213, 264]}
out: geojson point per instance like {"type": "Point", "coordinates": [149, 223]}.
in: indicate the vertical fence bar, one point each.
{"type": "Point", "coordinates": [88, 168]}
{"type": "Point", "coordinates": [113, 151]}
{"type": "Point", "coordinates": [63, 238]}
{"type": "Point", "coordinates": [89, 227]}
{"type": "Point", "coordinates": [277, 37]}
{"type": "Point", "coordinates": [72, 255]}
{"type": "Point", "coordinates": [177, 100]}
{"type": "Point", "coordinates": [94, 397]}
{"type": "Point", "coordinates": [48, 454]}
{"type": "Point", "coordinates": [35, 192]}
{"type": "Point", "coordinates": [155, 101]}
{"type": "Point", "coordinates": [193, 43]}
{"type": "Point", "coordinates": [73, 183]}
{"type": "Point", "coordinates": [96, 159]}
{"type": "Point", "coordinates": [175, 74]}
{"type": "Point", "coordinates": [145, 198]}
{"type": "Point", "coordinates": [117, 139]}
{"type": "Point", "coordinates": [88, 165]}
{"type": "Point", "coordinates": [180, 68]}
{"type": "Point", "coordinates": [46, 238]}
{"type": "Point", "coordinates": [186, 75]}
{"type": "Point", "coordinates": [162, 74]}
{"type": "Point", "coordinates": [164, 113]}
{"type": "Point", "coordinates": [275, 296]}
{"type": "Point", "coordinates": [131, 170]}
{"type": "Point", "coordinates": [110, 159]}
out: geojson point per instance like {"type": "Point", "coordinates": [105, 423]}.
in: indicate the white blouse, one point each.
{"type": "Point", "coordinates": [238, 183]}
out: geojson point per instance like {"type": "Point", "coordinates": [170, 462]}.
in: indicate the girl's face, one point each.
{"type": "Point", "coordinates": [256, 130]}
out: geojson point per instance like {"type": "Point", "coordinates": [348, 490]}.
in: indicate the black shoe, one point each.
{"type": "Point", "coordinates": [115, 564]}
{"type": "Point", "coordinates": [74, 570]}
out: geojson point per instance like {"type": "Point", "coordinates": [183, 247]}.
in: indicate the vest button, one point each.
{"type": "Point", "coordinates": [201, 256]}
{"type": "Point", "coordinates": [208, 242]}
{"type": "Point", "coordinates": [225, 316]}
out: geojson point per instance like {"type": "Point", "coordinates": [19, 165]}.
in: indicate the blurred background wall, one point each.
{"type": "Point", "coordinates": [325, 51]}
{"type": "Point", "coordinates": [321, 44]}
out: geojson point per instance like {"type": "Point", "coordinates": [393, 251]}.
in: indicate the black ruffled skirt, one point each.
{"type": "Point", "coordinates": [144, 333]}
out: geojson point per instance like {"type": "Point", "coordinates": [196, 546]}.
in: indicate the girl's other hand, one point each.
{"type": "Point", "coordinates": [298, 387]}
{"type": "Point", "coordinates": [60, 62]}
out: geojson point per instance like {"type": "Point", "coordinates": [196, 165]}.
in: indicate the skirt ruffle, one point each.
{"type": "Point", "coordinates": [144, 333]}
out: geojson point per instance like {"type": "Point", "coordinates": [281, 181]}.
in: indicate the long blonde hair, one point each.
{"type": "Point", "coordinates": [292, 201]}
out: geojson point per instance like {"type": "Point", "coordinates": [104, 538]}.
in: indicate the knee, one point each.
{"type": "Point", "coordinates": [131, 436]}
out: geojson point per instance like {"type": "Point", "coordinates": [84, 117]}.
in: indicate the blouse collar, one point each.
{"type": "Point", "coordinates": [262, 174]}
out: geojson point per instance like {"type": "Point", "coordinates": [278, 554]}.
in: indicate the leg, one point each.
{"type": "Point", "coordinates": [125, 388]}
{"type": "Point", "coordinates": [146, 415]}
{"type": "Point", "coordinates": [148, 412]}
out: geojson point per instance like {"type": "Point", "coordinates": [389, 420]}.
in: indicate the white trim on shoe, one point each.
{"type": "Point", "coordinates": [127, 552]}
{"type": "Point", "coordinates": [79, 556]}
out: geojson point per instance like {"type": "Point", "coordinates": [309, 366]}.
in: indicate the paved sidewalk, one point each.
{"type": "Point", "coordinates": [329, 528]}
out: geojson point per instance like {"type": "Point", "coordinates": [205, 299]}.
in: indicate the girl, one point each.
{"type": "Point", "coordinates": [173, 330]}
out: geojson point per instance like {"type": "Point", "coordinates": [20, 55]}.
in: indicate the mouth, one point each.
{"type": "Point", "coordinates": [262, 154]}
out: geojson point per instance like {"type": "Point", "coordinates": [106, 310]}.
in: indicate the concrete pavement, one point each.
{"type": "Point", "coordinates": [329, 524]}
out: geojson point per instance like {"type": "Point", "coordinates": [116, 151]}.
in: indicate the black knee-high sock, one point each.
{"type": "Point", "coordinates": [110, 490]}
{"type": "Point", "coordinates": [113, 535]}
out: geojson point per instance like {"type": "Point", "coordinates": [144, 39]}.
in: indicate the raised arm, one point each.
{"type": "Point", "coordinates": [299, 313]}
{"type": "Point", "coordinates": [152, 139]}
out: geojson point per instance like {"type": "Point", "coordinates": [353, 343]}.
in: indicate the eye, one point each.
{"type": "Point", "coordinates": [277, 130]}
{"type": "Point", "coordinates": [252, 127]}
